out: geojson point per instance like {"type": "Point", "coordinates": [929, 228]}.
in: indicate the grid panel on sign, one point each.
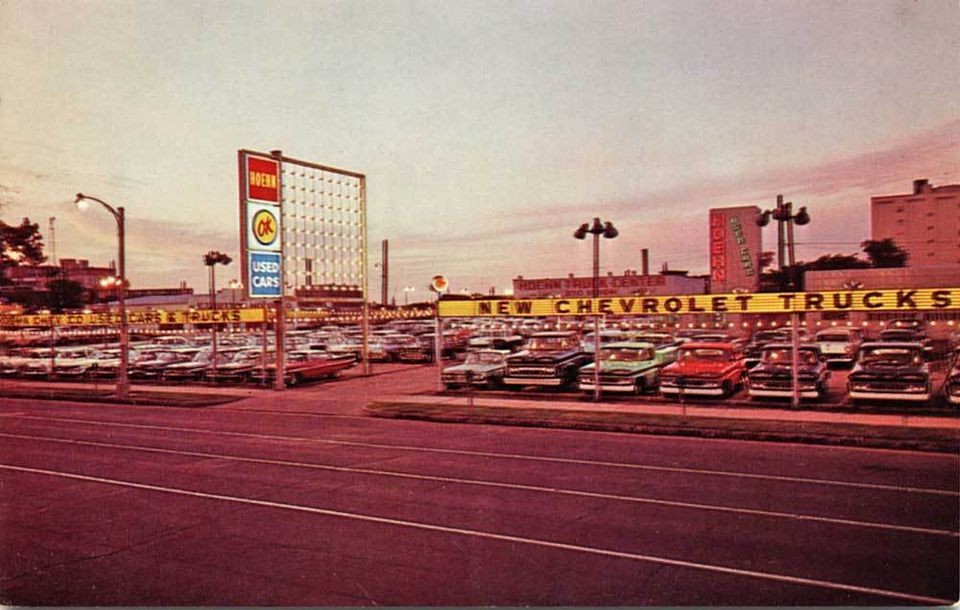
{"type": "Point", "coordinates": [323, 233]}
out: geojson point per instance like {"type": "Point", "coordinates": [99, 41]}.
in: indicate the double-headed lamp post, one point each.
{"type": "Point", "coordinates": [123, 380]}
{"type": "Point", "coordinates": [211, 259]}
{"type": "Point", "coordinates": [608, 231]}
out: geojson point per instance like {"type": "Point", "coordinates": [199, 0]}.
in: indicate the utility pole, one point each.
{"type": "Point", "coordinates": [384, 271]}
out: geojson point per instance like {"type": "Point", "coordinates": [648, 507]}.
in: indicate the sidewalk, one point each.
{"type": "Point", "coordinates": [875, 430]}
{"type": "Point", "coordinates": [720, 410]}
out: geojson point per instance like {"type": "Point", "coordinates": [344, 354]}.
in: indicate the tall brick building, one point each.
{"type": "Point", "coordinates": [925, 223]}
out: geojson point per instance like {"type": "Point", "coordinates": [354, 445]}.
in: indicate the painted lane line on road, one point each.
{"type": "Point", "coordinates": [516, 456]}
{"type": "Point", "coordinates": [502, 485]}
{"type": "Point", "coordinates": [706, 567]}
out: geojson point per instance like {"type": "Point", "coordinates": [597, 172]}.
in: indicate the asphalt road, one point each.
{"type": "Point", "coordinates": [296, 499]}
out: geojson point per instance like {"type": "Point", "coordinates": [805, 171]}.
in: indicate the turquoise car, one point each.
{"type": "Point", "coordinates": [630, 367]}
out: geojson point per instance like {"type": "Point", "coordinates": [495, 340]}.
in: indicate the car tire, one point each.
{"type": "Point", "coordinates": [726, 389]}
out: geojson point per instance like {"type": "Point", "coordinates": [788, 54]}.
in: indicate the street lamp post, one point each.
{"type": "Point", "coordinates": [210, 259]}
{"type": "Point", "coordinates": [123, 380]}
{"type": "Point", "coordinates": [785, 218]}
{"type": "Point", "coordinates": [608, 231]}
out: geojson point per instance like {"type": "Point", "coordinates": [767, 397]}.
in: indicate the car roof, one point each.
{"type": "Point", "coordinates": [781, 345]}
{"type": "Point", "coordinates": [901, 344]}
{"type": "Point", "coordinates": [630, 344]}
{"type": "Point", "coordinates": [706, 345]}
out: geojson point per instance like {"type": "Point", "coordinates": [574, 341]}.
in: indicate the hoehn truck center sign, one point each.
{"type": "Point", "coordinates": [903, 299]}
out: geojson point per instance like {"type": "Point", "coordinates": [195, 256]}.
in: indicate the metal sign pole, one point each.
{"type": "Point", "coordinates": [438, 345]}
{"type": "Point", "coordinates": [278, 382]}
{"type": "Point", "coordinates": [795, 360]}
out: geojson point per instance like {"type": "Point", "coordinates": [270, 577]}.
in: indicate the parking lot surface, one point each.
{"type": "Point", "coordinates": [295, 498]}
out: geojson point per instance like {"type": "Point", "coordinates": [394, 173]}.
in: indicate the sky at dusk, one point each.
{"type": "Point", "coordinates": [488, 130]}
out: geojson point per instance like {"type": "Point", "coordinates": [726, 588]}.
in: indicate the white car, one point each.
{"type": "Point", "coordinates": [839, 344]}
{"type": "Point", "coordinates": [76, 361]}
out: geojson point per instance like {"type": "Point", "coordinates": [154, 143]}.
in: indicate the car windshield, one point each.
{"type": "Point", "coordinates": [476, 358]}
{"type": "Point", "coordinates": [768, 335]}
{"type": "Point", "coordinates": [548, 343]}
{"type": "Point", "coordinates": [784, 356]}
{"type": "Point", "coordinates": [713, 354]}
{"type": "Point", "coordinates": [898, 335]}
{"type": "Point", "coordinates": [890, 356]}
{"type": "Point", "coordinates": [627, 354]}
{"type": "Point", "coordinates": [834, 338]}
{"type": "Point", "coordinates": [655, 339]}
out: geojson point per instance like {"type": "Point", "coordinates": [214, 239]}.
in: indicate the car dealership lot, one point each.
{"type": "Point", "coordinates": [295, 498]}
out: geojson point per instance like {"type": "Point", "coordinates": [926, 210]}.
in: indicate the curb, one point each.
{"type": "Point", "coordinates": [136, 398]}
{"type": "Point", "coordinates": [819, 433]}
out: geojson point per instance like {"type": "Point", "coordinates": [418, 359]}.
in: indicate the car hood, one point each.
{"type": "Point", "coordinates": [614, 366]}
{"type": "Point", "coordinates": [697, 367]}
{"type": "Point", "coordinates": [536, 357]}
{"type": "Point", "coordinates": [474, 368]}
{"type": "Point", "coordinates": [784, 369]}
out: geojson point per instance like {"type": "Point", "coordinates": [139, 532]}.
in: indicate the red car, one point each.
{"type": "Point", "coordinates": [704, 369]}
{"type": "Point", "coordinates": [302, 366]}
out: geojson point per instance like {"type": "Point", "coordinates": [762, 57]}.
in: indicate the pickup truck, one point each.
{"type": "Point", "coordinates": [482, 368]}
{"type": "Point", "coordinates": [890, 371]}
{"type": "Point", "coordinates": [773, 376]}
{"type": "Point", "coordinates": [952, 385]}
{"type": "Point", "coordinates": [704, 369]}
{"type": "Point", "coordinates": [549, 359]}
{"type": "Point", "coordinates": [625, 367]}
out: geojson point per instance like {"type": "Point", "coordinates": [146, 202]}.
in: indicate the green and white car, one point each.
{"type": "Point", "coordinates": [631, 367]}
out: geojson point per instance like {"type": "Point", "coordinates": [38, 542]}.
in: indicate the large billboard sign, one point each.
{"type": "Point", "coordinates": [735, 246]}
{"type": "Point", "coordinates": [312, 220]}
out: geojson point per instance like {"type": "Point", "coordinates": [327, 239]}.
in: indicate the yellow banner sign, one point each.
{"type": "Point", "coordinates": [901, 299]}
{"type": "Point", "coordinates": [136, 318]}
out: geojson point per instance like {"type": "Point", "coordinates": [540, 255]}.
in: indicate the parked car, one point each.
{"type": "Point", "coordinates": [607, 336]}
{"type": "Point", "coordinates": [344, 345]}
{"type": "Point", "coordinates": [303, 365]}
{"type": "Point", "coordinates": [12, 360]}
{"type": "Point", "coordinates": [238, 367]}
{"type": "Point", "coordinates": [754, 347]}
{"type": "Point", "coordinates": [686, 335]}
{"type": "Point", "coordinates": [151, 364]}
{"type": "Point", "coordinates": [196, 368]}
{"type": "Point", "coordinates": [890, 371]}
{"type": "Point", "coordinates": [495, 339]}
{"type": "Point", "coordinates": [549, 359]}
{"type": "Point", "coordinates": [907, 335]}
{"type": "Point", "coordinates": [952, 383]}
{"type": "Point", "coordinates": [416, 350]}
{"type": "Point", "coordinates": [773, 376]}
{"type": "Point", "coordinates": [625, 366]}
{"type": "Point", "coordinates": [908, 324]}
{"type": "Point", "coordinates": [108, 363]}
{"type": "Point", "coordinates": [75, 362]}
{"type": "Point", "coordinates": [839, 344]}
{"type": "Point", "coordinates": [36, 363]}
{"type": "Point", "coordinates": [665, 345]}
{"type": "Point", "coordinates": [481, 368]}
{"type": "Point", "coordinates": [706, 369]}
